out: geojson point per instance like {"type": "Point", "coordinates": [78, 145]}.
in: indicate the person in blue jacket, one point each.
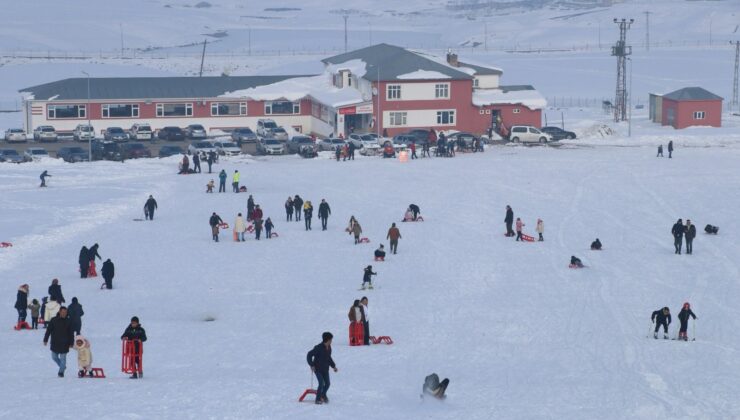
{"type": "Point", "coordinates": [320, 361]}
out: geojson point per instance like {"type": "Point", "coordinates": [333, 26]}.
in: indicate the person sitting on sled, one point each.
{"type": "Point", "coordinates": [380, 252]}
{"type": "Point", "coordinates": [575, 262]}
{"type": "Point", "coordinates": [84, 356]}
{"type": "Point", "coordinates": [596, 245]}
{"type": "Point", "coordinates": [432, 386]}
{"type": "Point", "coordinates": [408, 216]}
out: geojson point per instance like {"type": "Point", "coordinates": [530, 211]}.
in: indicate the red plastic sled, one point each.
{"type": "Point", "coordinates": [364, 240]}
{"type": "Point", "coordinates": [5, 244]}
{"type": "Point", "coordinates": [574, 266]}
{"type": "Point", "coordinates": [22, 325]}
{"type": "Point", "coordinates": [527, 238]}
{"type": "Point", "coordinates": [129, 356]}
{"type": "Point", "coordinates": [382, 339]}
{"type": "Point", "coordinates": [274, 235]}
{"type": "Point", "coordinates": [223, 225]}
{"type": "Point", "coordinates": [356, 334]}
{"type": "Point", "coordinates": [96, 373]}
{"type": "Point", "coordinates": [379, 258]}
{"type": "Point", "coordinates": [250, 228]}
{"type": "Point", "coordinates": [305, 394]}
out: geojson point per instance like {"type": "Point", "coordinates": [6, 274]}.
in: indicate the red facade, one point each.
{"type": "Point", "coordinates": [686, 113]}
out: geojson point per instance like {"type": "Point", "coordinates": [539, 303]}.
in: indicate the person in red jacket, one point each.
{"type": "Point", "coordinates": [519, 226]}
{"type": "Point", "coordinates": [412, 146]}
{"type": "Point", "coordinates": [257, 213]}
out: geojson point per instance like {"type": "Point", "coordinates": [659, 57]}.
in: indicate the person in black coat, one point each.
{"type": "Point", "coordinates": [683, 318]}
{"type": "Point", "coordinates": [380, 252]}
{"type": "Point", "coordinates": [74, 313]}
{"type": "Point", "coordinates": [21, 303]}
{"type": "Point", "coordinates": [149, 207]}
{"type": "Point", "coordinates": [298, 205]}
{"type": "Point", "coordinates": [108, 271]}
{"type": "Point", "coordinates": [415, 210]}
{"type": "Point", "coordinates": [661, 317]}
{"type": "Point", "coordinates": [690, 234]}
{"type": "Point", "coordinates": [214, 221]}
{"type": "Point", "coordinates": [62, 338]}
{"type": "Point", "coordinates": [92, 253]}
{"type": "Point", "coordinates": [596, 245]}
{"type": "Point", "coordinates": [352, 148]}
{"type": "Point", "coordinates": [84, 261]}
{"type": "Point", "coordinates": [250, 208]}
{"type": "Point", "coordinates": [43, 178]}
{"type": "Point", "coordinates": [319, 358]}
{"type": "Point", "coordinates": [677, 231]}
{"type": "Point", "coordinates": [670, 149]}
{"type": "Point", "coordinates": [196, 163]}
{"type": "Point", "coordinates": [210, 160]}
{"type": "Point", "coordinates": [509, 220]}
{"type": "Point", "coordinates": [55, 292]}
{"type": "Point", "coordinates": [135, 331]}
{"type": "Point", "coordinates": [324, 212]}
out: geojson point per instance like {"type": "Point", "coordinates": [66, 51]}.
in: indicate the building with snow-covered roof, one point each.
{"type": "Point", "coordinates": [690, 106]}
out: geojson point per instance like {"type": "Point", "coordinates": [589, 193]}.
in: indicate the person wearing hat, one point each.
{"type": "Point", "coordinates": [683, 318]}
{"type": "Point", "coordinates": [380, 252]}
{"type": "Point", "coordinates": [307, 213]}
{"type": "Point", "coordinates": [661, 317]}
{"type": "Point", "coordinates": [149, 207]}
{"type": "Point", "coordinates": [62, 338]}
{"type": "Point", "coordinates": [21, 303]}
{"type": "Point", "coordinates": [84, 356]}
{"type": "Point", "coordinates": [135, 331]}
{"type": "Point", "coordinates": [75, 313]}
{"type": "Point", "coordinates": [55, 292]}
{"type": "Point", "coordinates": [108, 271]}
{"type": "Point", "coordinates": [319, 358]}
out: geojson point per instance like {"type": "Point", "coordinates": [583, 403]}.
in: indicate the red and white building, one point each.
{"type": "Point", "coordinates": [691, 106]}
{"type": "Point", "coordinates": [382, 88]}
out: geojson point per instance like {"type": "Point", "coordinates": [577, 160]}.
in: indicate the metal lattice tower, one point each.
{"type": "Point", "coordinates": [621, 51]}
{"type": "Point", "coordinates": [735, 81]}
{"type": "Point", "coordinates": [647, 30]}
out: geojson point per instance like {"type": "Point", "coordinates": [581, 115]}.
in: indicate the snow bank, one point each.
{"type": "Point", "coordinates": [318, 87]}
{"type": "Point", "coordinates": [424, 74]}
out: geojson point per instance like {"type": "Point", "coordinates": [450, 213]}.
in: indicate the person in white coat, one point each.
{"type": "Point", "coordinates": [540, 229]}
{"type": "Point", "coordinates": [366, 322]}
{"type": "Point", "coordinates": [239, 228]}
{"type": "Point", "coordinates": [50, 311]}
{"type": "Point", "coordinates": [84, 356]}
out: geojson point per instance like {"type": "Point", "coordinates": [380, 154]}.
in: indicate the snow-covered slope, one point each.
{"type": "Point", "coordinates": [518, 333]}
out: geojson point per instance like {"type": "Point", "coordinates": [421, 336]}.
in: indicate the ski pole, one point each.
{"type": "Point", "coordinates": [310, 373]}
{"type": "Point", "coordinates": [693, 329]}
{"type": "Point", "coordinates": [650, 328]}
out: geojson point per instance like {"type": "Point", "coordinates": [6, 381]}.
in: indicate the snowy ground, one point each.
{"type": "Point", "coordinates": [518, 333]}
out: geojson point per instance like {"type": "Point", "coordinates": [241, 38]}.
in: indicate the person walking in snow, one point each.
{"type": "Point", "coordinates": [394, 235]}
{"type": "Point", "coordinates": [84, 356]}
{"type": "Point", "coordinates": [257, 213]}
{"type": "Point", "coordinates": [519, 226]}
{"type": "Point", "coordinates": [670, 149]}
{"type": "Point", "coordinates": [43, 178]}
{"type": "Point", "coordinates": [214, 221]}
{"type": "Point", "coordinates": [235, 181]}
{"type": "Point", "coordinates": [210, 160]}
{"type": "Point", "coordinates": [540, 229]}
{"type": "Point", "coordinates": [683, 318]}
{"type": "Point", "coordinates": [258, 228]}
{"type": "Point", "coordinates": [366, 319]}
{"type": "Point", "coordinates": [60, 331]}
{"type": "Point", "coordinates": [289, 209]}
{"type": "Point", "coordinates": [352, 148]}
{"type": "Point", "coordinates": [367, 277]}
{"type": "Point", "coordinates": [35, 311]}
{"type": "Point", "coordinates": [92, 253]}
{"type": "Point", "coordinates": [250, 208]}
{"type": "Point", "coordinates": [661, 317]}
{"type": "Point", "coordinates": [75, 313]}
{"type": "Point", "coordinates": [55, 292]}
{"type": "Point", "coordinates": [298, 206]}
{"type": "Point", "coordinates": [690, 234]}
{"type": "Point", "coordinates": [319, 358]}
{"type": "Point", "coordinates": [222, 181]}
{"type": "Point", "coordinates": [84, 261]}
{"type": "Point", "coordinates": [136, 332]}
{"type": "Point", "coordinates": [108, 271]}
{"type": "Point", "coordinates": [357, 231]}
{"type": "Point", "coordinates": [660, 151]}
{"type": "Point", "coordinates": [268, 228]}
{"type": "Point", "coordinates": [21, 303]}
{"type": "Point", "coordinates": [239, 228]}
{"type": "Point", "coordinates": [509, 220]}
{"type": "Point", "coordinates": [307, 213]}
{"type": "Point", "coordinates": [324, 212]}
{"type": "Point", "coordinates": [677, 231]}
{"type": "Point", "coordinates": [149, 207]}
{"type": "Point", "coordinates": [196, 162]}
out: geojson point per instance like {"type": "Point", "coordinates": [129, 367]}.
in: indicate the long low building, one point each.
{"type": "Point", "coordinates": [382, 88]}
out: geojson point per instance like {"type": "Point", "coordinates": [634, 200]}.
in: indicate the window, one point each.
{"type": "Point", "coordinates": [446, 117]}
{"type": "Point", "coordinates": [442, 90]}
{"type": "Point", "coordinates": [282, 107]}
{"type": "Point", "coordinates": [56, 112]}
{"type": "Point", "coordinates": [516, 110]}
{"type": "Point", "coordinates": [476, 83]}
{"type": "Point", "coordinates": [228, 108]}
{"type": "Point", "coordinates": [120, 110]}
{"type": "Point", "coordinates": [397, 118]}
{"type": "Point", "coordinates": [482, 111]}
{"type": "Point", "coordinates": [698, 115]}
{"type": "Point", "coordinates": [394, 92]}
{"type": "Point", "coordinates": [175, 110]}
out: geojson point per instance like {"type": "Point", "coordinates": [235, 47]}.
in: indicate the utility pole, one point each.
{"type": "Point", "coordinates": [370, 25]}
{"type": "Point", "coordinates": [621, 51]}
{"type": "Point", "coordinates": [89, 125]}
{"type": "Point", "coordinates": [120, 26]}
{"type": "Point", "coordinates": [629, 102]}
{"type": "Point", "coordinates": [203, 57]}
{"type": "Point", "coordinates": [485, 36]}
{"type": "Point", "coordinates": [345, 16]}
{"type": "Point", "coordinates": [647, 30]}
{"type": "Point", "coordinates": [734, 102]}
{"type": "Point", "coordinates": [249, 39]}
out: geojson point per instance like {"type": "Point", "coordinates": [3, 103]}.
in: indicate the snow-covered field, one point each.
{"type": "Point", "coordinates": [518, 333]}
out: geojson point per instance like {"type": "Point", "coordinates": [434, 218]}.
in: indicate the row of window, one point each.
{"type": "Point", "coordinates": [398, 119]}
{"type": "Point", "coordinates": [57, 112]}
{"type": "Point", "coordinates": [441, 91]}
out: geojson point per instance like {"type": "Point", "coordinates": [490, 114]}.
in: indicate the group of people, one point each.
{"type": "Point", "coordinates": [670, 150]}
{"type": "Point", "coordinates": [662, 318]}
{"type": "Point", "coordinates": [509, 221]}
{"type": "Point", "coordinates": [87, 259]}
{"type": "Point", "coordinates": [210, 157]}
{"type": "Point", "coordinates": [681, 231]}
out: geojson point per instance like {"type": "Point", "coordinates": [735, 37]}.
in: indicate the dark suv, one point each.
{"type": "Point", "coordinates": [73, 154]}
{"type": "Point", "coordinates": [134, 150]}
{"type": "Point", "coordinates": [171, 133]}
{"type": "Point", "coordinates": [106, 150]}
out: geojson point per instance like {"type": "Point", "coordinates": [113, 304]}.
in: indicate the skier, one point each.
{"type": "Point", "coordinates": [519, 226]}
{"type": "Point", "coordinates": [222, 181]}
{"type": "Point", "coordinates": [366, 320]}
{"type": "Point", "coordinates": [661, 317]}
{"type": "Point", "coordinates": [84, 356]}
{"type": "Point", "coordinates": [575, 262]}
{"type": "Point", "coordinates": [678, 231]}
{"type": "Point", "coordinates": [596, 245]}
{"type": "Point", "coordinates": [509, 220]}
{"type": "Point", "coordinates": [55, 292]}
{"type": "Point", "coordinates": [394, 235]}
{"type": "Point", "coordinates": [250, 208]}
{"type": "Point", "coordinates": [21, 304]}
{"type": "Point", "coordinates": [289, 209]}
{"type": "Point", "coordinates": [380, 253]}
{"type": "Point", "coordinates": [135, 331]}
{"type": "Point", "coordinates": [297, 205]}
{"type": "Point", "coordinates": [258, 228]}
{"type": "Point", "coordinates": [357, 231]}
{"type": "Point", "coordinates": [92, 253]}
{"type": "Point", "coordinates": [367, 277]}
{"type": "Point", "coordinates": [324, 212]}
{"type": "Point", "coordinates": [415, 210]}
{"type": "Point", "coordinates": [43, 178]}
{"type": "Point", "coordinates": [62, 338]}
{"type": "Point", "coordinates": [239, 227]}
{"type": "Point", "coordinates": [149, 207]}
{"type": "Point", "coordinates": [320, 360]}
{"type": "Point", "coordinates": [307, 214]}
{"type": "Point", "coordinates": [670, 149]}
{"type": "Point", "coordinates": [214, 221]}
{"type": "Point", "coordinates": [690, 234]}
{"type": "Point", "coordinates": [660, 151]}
{"type": "Point", "coordinates": [35, 308]}
{"type": "Point", "coordinates": [683, 318]}
{"type": "Point", "coordinates": [108, 272]}
{"type": "Point", "coordinates": [75, 313]}
{"type": "Point", "coordinates": [540, 229]}
{"type": "Point", "coordinates": [84, 261]}
{"type": "Point", "coordinates": [235, 181]}
{"type": "Point", "coordinates": [268, 228]}
{"type": "Point", "coordinates": [432, 386]}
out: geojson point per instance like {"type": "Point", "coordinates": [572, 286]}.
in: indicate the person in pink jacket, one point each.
{"type": "Point", "coordinates": [519, 225]}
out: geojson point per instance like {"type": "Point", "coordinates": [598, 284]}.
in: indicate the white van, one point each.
{"type": "Point", "coordinates": [528, 134]}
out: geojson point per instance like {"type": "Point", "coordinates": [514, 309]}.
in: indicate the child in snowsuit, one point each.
{"type": "Point", "coordinates": [84, 356]}
{"type": "Point", "coordinates": [540, 229]}
{"type": "Point", "coordinates": [34, 307]}
{"type": "Point", "coordinates": [408, 216]}
{"type": "Point", "coordinates": [368, 277]}
{"type": "Point", "coordinates": [357, 231]}
{"type": "Point", "coordinates": [683, 317]}
{"type": "Point", "coordinates": [268, 228]}
{"type": "Point", "coordinates": [661, 317]}
{"type": "Point", "coordinates": [575, 262]}
{"type": "Point", "coordinates": [596, 245]}
{"type": "Point", "coordinates": [519, 226]}
{"type": "Point", "coordinates": [380, 253]}
{"type": "Point", "coordinates": [209, 186]}
{"type": "Point", "coordinates": [432, 386]}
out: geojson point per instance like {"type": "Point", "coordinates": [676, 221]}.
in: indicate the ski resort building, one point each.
{"type": "Point", "coordinates": [691, 106]}
{"type": "Point", "coordinates": [382, 88]}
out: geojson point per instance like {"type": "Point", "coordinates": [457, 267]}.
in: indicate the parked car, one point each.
{"type": "Point", "coordinates": [35, 153]}
{"type": "Point", "coordinates": [558, 133]}
{"type": "Point", "coordinates": [265, 127]}
{"type": "Point", "coordinates": [73, 154]}
{"type": "Point", "coordinates": [388, 150]}
{"type": "Point", "coordinates": [114, 134]}
{"type": "Point", "coordinates": [15, 135]}
{"type": "Point", "coordinates": [298, 143]}
{"type": "Point", "coordinates": [134, 151]}
{"type": "Point", "coordinates": [171, 133]}
{"type": "Point", "coordinates": [44, 133]}
{"type": "Point", "coordinates": [106, 150]}
{"type": "Point", "coordinates": [196, 131]}
{"type": "Point", "coordinates": [65, 135]}
{"type": "Point", "coordinates": [527, 134]}
{"type": "Point", "coordinates": [279, 133]}
{"type": "Point", "coordinates": [331, 144]}
{"type": "Point", "coordinates": [166, 151]}
{"type": "Point", "coordinates": [10, 155]}
{"type": "Point", "coordinates": [227, 148]}
{"type": "Point", "coordinates": [141, 131]}
{"type": "Point", "coordinates": [422, 135]}
{"type": "Point", "coordinates": [243, 135]}
{"type": "Point", "coordinates": [83, 132]}
{"type": "Point", "coordinates": [405, 139]}
{"type": "Point", "coordinates": [270, 146]}
{"type": "Point", "coordinates": [466, 137]}
{"type": "Point", "coordinates": [201, 146]}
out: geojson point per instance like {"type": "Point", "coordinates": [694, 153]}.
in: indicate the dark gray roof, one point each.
{"type": "Point", "coordinates": [148, 87]}
{"type": "Point", "coordinates": [692, 94]}
{"type": "Point", "coordinates": [480, 70]}
{"type": "Point", "coordinates": [394, 61]}
{"type": "Point", "coordinates": [514, 88]}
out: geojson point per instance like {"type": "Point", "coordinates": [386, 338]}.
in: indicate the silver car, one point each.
{"type": "Point", "coordinates": [270, 147]}
{"type": "Point", "coordinates": [227, 148]}
{"type": "Point", "coordinates": [45, 133]}
{"type": "Point", "coordinates": [331, 144]}
{"type": "Point", "coordinates": [15, 134]}
{"type": "Point", "coordinates": [279, 133]}
{"type": "Point", "coordinates": [35, 153]}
